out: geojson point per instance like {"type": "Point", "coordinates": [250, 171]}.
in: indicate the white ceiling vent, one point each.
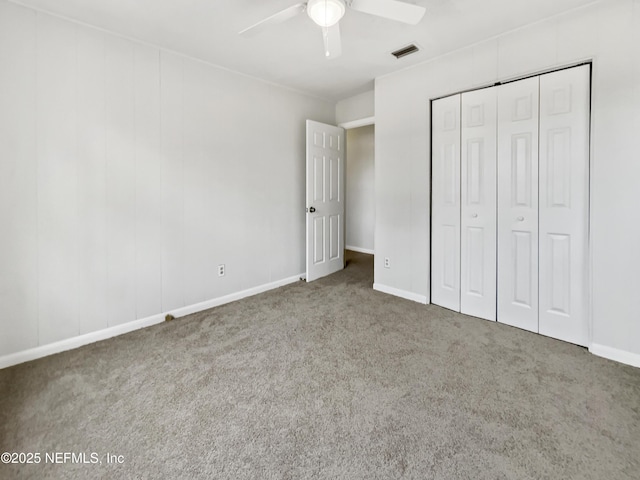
{"type": "Point", "coordinates": [404, 51]}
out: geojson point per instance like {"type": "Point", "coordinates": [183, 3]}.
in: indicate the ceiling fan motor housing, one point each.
{"type": "Point", "coordinates": [326, 13]}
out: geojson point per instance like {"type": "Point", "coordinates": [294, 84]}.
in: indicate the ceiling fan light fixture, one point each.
{"type": "Point", "coordinates": [326, 13]}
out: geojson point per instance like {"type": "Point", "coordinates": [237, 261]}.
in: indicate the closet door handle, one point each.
{"type": "Point", "coordinates": [520, 219]}
{"type": "Point", "coordinates": [474, 215]}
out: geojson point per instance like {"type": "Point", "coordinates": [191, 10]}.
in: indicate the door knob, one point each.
{"type": "Point", "coordinates": [520, 219]}
{"type": "Point", "coordinates": [474, 215]}
{"type": "Point", "coordinates": [311, 210]}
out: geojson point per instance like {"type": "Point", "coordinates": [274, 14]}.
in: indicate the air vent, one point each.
{"type": "Point", "coordinates": [404, 51]}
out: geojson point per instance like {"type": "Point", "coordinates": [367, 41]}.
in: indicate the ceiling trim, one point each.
{"type": "Point", "coordinates": [168, 50]}
{"type": "Point", "coordinates": [492, 37]}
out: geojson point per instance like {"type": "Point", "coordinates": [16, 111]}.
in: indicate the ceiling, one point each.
{"type": "Point", "coordinates": [291, 53]}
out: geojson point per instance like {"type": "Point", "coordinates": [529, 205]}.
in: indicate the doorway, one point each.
{"type": "Point", "coordinates": [360, 193]}
{"type": "Point", "coordinates": [340, 194]}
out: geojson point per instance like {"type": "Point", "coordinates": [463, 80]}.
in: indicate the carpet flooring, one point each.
{"type": "Point", "coordinates": [326, 380]}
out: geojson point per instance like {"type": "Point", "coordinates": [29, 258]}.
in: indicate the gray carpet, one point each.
{"type": "Point", "coordinates": [327, 380]}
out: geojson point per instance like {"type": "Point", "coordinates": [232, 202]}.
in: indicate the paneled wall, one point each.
{"type": "Point", "coordinates": [127, 174]}
{"type": "Point", "coordinates": [607, 33]}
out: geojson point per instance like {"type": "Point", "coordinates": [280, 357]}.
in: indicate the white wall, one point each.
{"type": "Point", "coordinates": [127, 174]}
{"type": "Point", "coordinates": [360, 195]}
{"type": "Point", "coordinates": [606, 32]}
{"type": "Point", "coordinates": [355, 108]}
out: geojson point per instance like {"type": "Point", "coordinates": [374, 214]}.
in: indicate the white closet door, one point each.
{"type": "Point", "coordinates": [518, 204]}
{"type": "Point", "coordinates": [478, 215]}
{"type": "Point", "coordinates": [564, 200]}
{"type": "Point", "coordinates": [445, 251]}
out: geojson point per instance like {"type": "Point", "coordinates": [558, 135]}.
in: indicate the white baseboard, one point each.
{"type": "Point", "coordinates": [86, 339]}
{"type": "Point", "coordinates": [358, 249]}
{"type": "Point", "coordinates": [610, 353]}
{"type": "Point", "coordinates": [621, 356]}
{"type": "Point", "coordinates": [79, 341]}
{"type": "Point", "coordinates": [400, 293]}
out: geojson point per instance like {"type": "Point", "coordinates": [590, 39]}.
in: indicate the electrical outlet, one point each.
{"type": "Point", "coordinates": [221, 270]}
{"type": "Point", "coordinates": [387, 262]}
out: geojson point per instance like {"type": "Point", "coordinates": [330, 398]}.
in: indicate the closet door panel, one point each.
{"type": "Point", "coordinates": [564, 200]}
{"type": "Point", "coordinates": [518, 204]}
{"type": "Point", "coordinates": [478, 204]}
{"type": "Point", "coordinates": [445, 236]}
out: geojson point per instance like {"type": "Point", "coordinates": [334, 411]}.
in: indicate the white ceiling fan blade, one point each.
{"type": "Point", "coordinates": [391, 9]}
{"type": "Point", "coordinates": [332, 42]}
{"type": "Point", "coordinates": [279, 17]}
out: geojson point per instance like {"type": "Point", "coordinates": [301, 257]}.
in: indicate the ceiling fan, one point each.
{"type": "Point", "coordinates": [327, 14]}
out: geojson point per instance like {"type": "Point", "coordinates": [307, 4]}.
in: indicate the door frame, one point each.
{"type": "Point", "coordinates": [351, 124]}
{"type": "Point", "coordinates": [589, 268]}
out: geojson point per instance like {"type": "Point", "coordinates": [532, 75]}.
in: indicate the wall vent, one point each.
{"type": "Point", "coordinates": [404, 51]}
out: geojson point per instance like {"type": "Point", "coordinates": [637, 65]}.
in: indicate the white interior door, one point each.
{"type": "Point", "coordinates": [564, 200]}
{"type": "Point", "coordinates": [518, 204]}
{"type": "Point", "coordinates": [478, 214]}
{"type": "Point", "coordinates": [445, 223]}
{"type": "Point", "coordinates": [325, 199]}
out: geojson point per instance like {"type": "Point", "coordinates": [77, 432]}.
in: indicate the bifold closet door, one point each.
{"type": "Point", "coordinates": [445, 219]}
{"type": "Point", "coordinates": [478, 206]}
{"type": "Point", "coordinates": [518, 204]}
{"type": "Point", "coordinates": [564, 200]}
